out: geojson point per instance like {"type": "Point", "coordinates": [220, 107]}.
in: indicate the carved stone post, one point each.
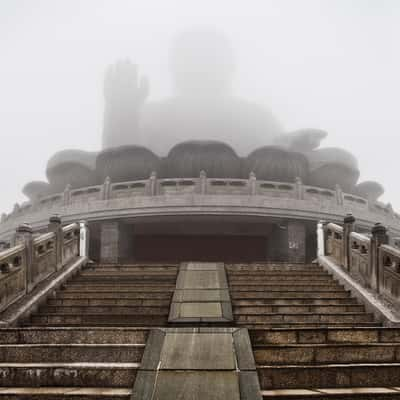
{"type": "Point", "coordinates": [105, 195]}
{"type": "Point", "coordinates": [24, 235]}
{"type": "Point", "coordinates": [84, 239]}
{"type": "Point", "coordinates": [56, 227]}
{"type": "Point", "coordinates": [299, 188]}
{"type": "Point", "coordinates": [67, 195]}
{"type": "Point", "coordinates": [153, 184]}
{"type": "Point", "coordinates": [339, 195]}
{"type": "Point", "coordinates": [252, 183]}
{"type": "Point", "coordinates": [379, 237]}
{"type": "Point", "coordinates": [203, 182]}
{"type": "Point", "coordinates": [348, 227]}
{"type": "Point", "coordinates": [321, 238]}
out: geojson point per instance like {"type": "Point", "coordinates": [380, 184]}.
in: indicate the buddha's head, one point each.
{"type": "Point", "coordinates": [202, 63]}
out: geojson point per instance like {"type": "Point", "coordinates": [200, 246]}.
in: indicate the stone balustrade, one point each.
{"type": "Point", "coordinates": [367, 258]}
{"type": "Point", "coordinates": [308, 200]}
{"type": "Point", "coordinates": [33, 259]}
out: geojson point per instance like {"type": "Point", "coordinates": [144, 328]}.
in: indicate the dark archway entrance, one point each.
{"type": "Point", "coordinates": [173, 248]}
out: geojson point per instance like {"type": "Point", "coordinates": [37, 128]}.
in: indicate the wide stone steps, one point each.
{"type": "Point", "coordinates": [73, 393]}
{"type": "Point", "coordinates": [108, 296]}
{"type": "Point", "coordinates": [310, 338]}
{"type": "Point", "coordinates": [76, 363]}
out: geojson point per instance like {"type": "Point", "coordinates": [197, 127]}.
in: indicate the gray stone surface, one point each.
{"type": "Point", "coordinates": [204, 310]}
{"type": "Point", "coordinates": [201, 294]}
{"type": "Point", "coordinates": [198, 351]}
{"type": "Point", "coordinates": [196, 385]}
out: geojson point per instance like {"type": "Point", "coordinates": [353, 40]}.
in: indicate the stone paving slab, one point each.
{"type": "Point", "coordinates": [201, 294]}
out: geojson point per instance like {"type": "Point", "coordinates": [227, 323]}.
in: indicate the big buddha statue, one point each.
{"type": "Point", "coordinates": [203, 126]}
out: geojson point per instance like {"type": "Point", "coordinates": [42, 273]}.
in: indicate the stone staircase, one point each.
{"type": "Point", "coordinates": [129, 295]}
{"type": "Point", "coordinates": [69, 363]}
{"type": "Point", "coordinates": [310, 338]}
{"type": "Point", "coordinates": [58, 355]}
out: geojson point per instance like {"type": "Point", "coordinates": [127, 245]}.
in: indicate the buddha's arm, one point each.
{"type": "Point", "coordinates": [124, 95]}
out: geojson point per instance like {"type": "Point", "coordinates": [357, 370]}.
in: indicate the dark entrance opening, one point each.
{"type": "Point", "coordinates": [175, 248]}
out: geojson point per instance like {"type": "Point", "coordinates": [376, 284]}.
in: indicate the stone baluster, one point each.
{"type": "Point", "coordinates": [339, 195]}
{"type": "Point", "coordinates": [84, 239]}
{"type": "Point", "coordinates": [56, 227]}
{"type": "Point", "coordinates": [252, 183]}
{"type": "Point", "coordinates": [348, 227]}
{"type": "Point", "coordinates": [67, 195]}
{"type": "Point", "coordinates": [379, 237]}
{"type": "Point", "coordinates": [24, 235]}
{"type": "Point", "coordinates": [203, 182]}
{"type": "Point", "coordinates": [321, 239]}
{"type": "Point", "coordinates": [153, 184]}
{"type": "Point", "coordinates": [106, 189]}
{"type": "Point", "coordinates": [299, 188]}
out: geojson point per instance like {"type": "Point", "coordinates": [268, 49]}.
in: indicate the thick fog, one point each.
{"type": "Point", "coordinates": [333, 65]}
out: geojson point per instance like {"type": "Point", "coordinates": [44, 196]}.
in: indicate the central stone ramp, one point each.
{"type": "Point", "coordinates": [197, 364]}
{"type": "Point", "coordinates": [201, 294]}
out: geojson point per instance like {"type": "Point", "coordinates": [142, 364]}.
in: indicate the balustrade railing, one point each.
{"type": "Point", "coordinates": [155, 186]}
{"type": "Point", "coordinates": [367, 258]}
{"type": "Point", "coordinates": [33, 259]}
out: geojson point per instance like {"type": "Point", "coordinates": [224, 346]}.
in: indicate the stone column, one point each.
{"type": "Point", "coordinates": [296, 241]}
{"type": "Point", "coordinates": [24, 235]}
{"type": "Point", "coordinates": [116, 242]}
{"type": "Point", "coordinates": [348, 227]}
{"type": "Point", "coordinates": [379, 237]}
{"type": "Point", "coordinates": [56, 227]}
{"type": "Point", "coordinates": [109, 242]}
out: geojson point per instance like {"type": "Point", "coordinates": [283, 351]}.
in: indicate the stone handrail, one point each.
{"type": "Point", "coordinates": [200, 185]}
{"type": "Point", "coordinates": [31, 260]}
{"type": "Point", "coordinates": [369, 260]}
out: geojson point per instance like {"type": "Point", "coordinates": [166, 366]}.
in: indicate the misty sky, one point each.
{"type": "Point", "coordinates": [329, 64]}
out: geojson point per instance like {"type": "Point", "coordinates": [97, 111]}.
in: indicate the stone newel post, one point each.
{"type": "Point", "coordinates": [379, 237]}
{"type": "Point", "coordinates": [348, 227]}
{"type": "Point", "coordinates": [24, 235]}
{"type": "Point", "coordinates": [55, 226]}
{"type": "Point", "coordinates": [84, 239]}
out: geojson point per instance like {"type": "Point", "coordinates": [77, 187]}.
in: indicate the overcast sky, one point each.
{"type": "Point", "coordinates": [329, 64]}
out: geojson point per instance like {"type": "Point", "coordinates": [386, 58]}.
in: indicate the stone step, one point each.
{"type": "Point", "coordinates": [314, 294]}
{"type": "Point", "coordinates": [116, 310]}
{"type": "Point", "coordinates": [353, 318]}
{"type": "Point", "coordinates": [266, 273]}
{"type": "Point", "coordinates": [328, 376]}
{"type": "Point", "coordinates": [287, 285]}
{"type": "Point", "coordinates": [70, 353]}
{"type": "Point", "coordinates": [272, 267]}
{"type": "Point", "coordinates": [108, 302]}
{"type": "Point", "coordinates": [128, 272]}
{"type": "Point", "coordinates": [121, 279]}
{"type": "Point", "coordinates": [359, 393]}
{"type": "Point", "coordinates": [325, 335]}
{"type": "Point", "coordinates": [73, 335]}
{"type": "Point", "coordinates": [81, 294]}
{"type": "Point", "coordinates": [73, 393]}
{"type": "Point", "coordinates": [304, 325]}
{"type": "Point", "coordinates": [119, 375]}
{"type": "Point", "coordinates": [283, 354]}
{"type": "Point", "coordinates": [317, 309]}
{"type": "Point", "coordinates": [296, 302]}
{"type": "Point", "coordinates": [244, 279]}
{"type": "Point", "coordinates": [136, 267]}
{"type": "Point", "coordinates": [98, 320]}
{"type": "Point", "coordinates": [117, 288]}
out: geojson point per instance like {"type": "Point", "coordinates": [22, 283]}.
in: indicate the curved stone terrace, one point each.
{"type": "Point", "coordinates": [200, 196]}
